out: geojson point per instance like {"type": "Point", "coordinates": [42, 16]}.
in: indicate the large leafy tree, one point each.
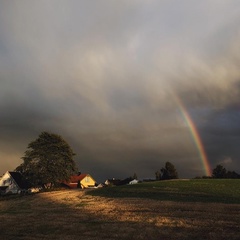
{"type": "Point", "coordinates": [47, 161]}
{"type": "Point", "coordinates": [169, 172]}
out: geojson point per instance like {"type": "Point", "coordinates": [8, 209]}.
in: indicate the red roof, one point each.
{"type": "Point", "coordinates": [76, 178]}
{"type": "Point", "coordinates": [73, 181]}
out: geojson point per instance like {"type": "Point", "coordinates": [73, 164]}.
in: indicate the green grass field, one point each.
{"type": "Point", "coordinates": [194, 190]}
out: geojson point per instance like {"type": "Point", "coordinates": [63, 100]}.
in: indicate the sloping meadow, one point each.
{"type": "Point", "coordinates": [127, 212]}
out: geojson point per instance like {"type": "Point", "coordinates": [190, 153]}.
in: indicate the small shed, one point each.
{"type": "Point", "coordinates": [134, 181]}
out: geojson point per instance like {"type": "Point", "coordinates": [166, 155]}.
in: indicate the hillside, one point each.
{"type": "Point", "coordinates": [75, 214]}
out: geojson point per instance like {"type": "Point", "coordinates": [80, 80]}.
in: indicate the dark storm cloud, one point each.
{"type": "Point", "coordinates": [103, 74]}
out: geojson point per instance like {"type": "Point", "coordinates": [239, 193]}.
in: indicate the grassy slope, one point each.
{"type": "Point", "coordinates": [71, 214]}
{"type": "Point", "coordinates": [196, 190]}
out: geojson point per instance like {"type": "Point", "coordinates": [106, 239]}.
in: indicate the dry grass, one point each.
{"type": "Point", "coordinates": [74, 215]}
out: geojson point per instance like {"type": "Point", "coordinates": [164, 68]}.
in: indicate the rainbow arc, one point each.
{"type": "Point", "coordinates": [195, 135]}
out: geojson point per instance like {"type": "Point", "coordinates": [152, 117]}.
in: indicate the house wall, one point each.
{"type": "Point", "coordinates": [7, 180]}
{"type": "Point", "coordinates": [88, 181]}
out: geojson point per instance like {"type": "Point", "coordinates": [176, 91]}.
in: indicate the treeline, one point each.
{"type": "Point", "coordinates": [221, 172]}
{"type": "Point", "coordinates": [170, 172]}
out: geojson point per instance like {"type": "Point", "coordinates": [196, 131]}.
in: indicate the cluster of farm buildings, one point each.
{"type": "Point", "coordinates": [13, 183]}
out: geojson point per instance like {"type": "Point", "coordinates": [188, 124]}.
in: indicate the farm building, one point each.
{"type": "Point", "coordinates": [12, 182]}
{"type": "Point", "coordinates": [80, 181]}
{"type": "Point", "coordinates": [118, 182]}
{"type": "Point", "coordinates": [134, 181]}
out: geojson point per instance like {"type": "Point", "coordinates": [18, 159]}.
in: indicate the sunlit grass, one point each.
{"type": "Point", "coordinates": [70, 214]}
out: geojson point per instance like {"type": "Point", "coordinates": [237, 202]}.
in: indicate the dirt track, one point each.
{"type": "Point", "coordinates": [72, 214]}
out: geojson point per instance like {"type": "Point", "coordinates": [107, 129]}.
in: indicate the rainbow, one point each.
{"type": "Point", "coordinates": [195, 135]}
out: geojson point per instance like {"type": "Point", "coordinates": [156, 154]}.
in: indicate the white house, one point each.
{"type": "Point", "coordinates": [12, 182]}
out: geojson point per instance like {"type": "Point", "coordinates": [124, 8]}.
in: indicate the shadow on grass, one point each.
{"type": "Point", "coordinates": [161, 196]}
{"type": "Point", "coordinates": [204, 191]}
{"type": "Point", "coordinates": [75, 215]}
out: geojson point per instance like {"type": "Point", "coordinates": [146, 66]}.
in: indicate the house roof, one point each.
{"type": "Point", "coordinates": [76, 178]}
{"type": "Point", "coordinates": [18, 178]}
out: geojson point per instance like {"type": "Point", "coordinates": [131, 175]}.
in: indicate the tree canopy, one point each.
{"type": "Point", "coordinates": [219, 172]}
{"type": "Point", "coordinates": [47, 161]}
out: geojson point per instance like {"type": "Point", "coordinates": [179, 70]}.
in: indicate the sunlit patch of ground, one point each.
{"type": "Point", "coordinates": [74, 215]}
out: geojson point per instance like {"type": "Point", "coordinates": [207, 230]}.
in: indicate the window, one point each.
{"type": "Point", "coordinates": [7, 182]}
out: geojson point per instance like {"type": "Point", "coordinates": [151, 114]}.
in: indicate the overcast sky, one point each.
{"type": "Point", "coordinates": [103, 74]}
